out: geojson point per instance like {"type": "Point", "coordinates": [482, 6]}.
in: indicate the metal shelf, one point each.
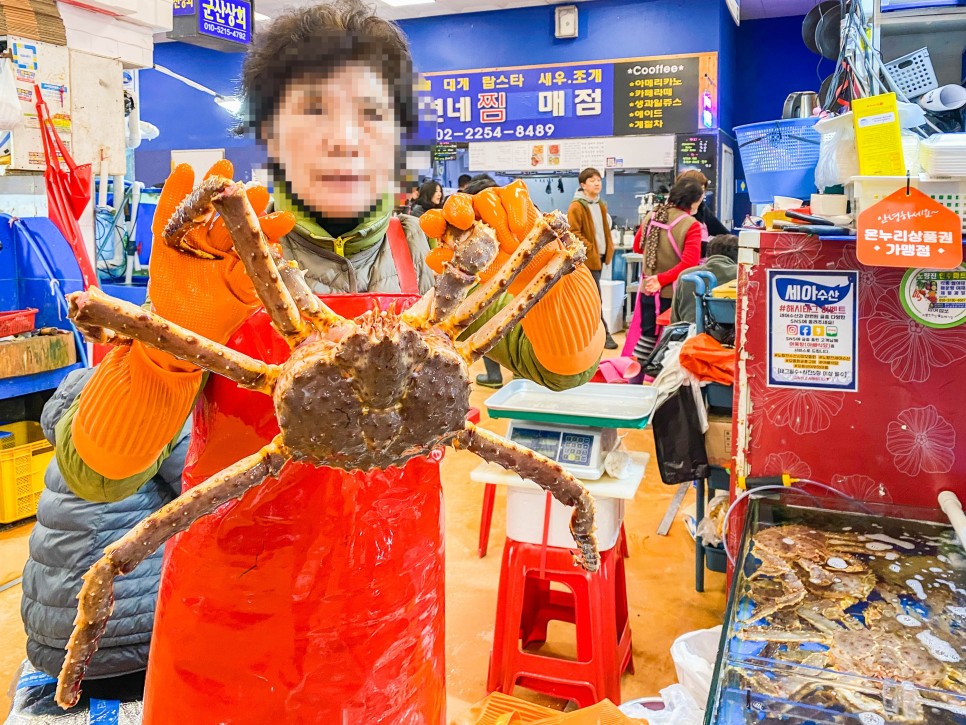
{"type": "Point", "coordinates": [26, 384]}
{"type": "Point", "coordinates": [904, 22]}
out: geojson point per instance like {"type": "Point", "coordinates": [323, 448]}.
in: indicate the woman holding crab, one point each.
{"type": "Point", "coordinates": [317, 597]}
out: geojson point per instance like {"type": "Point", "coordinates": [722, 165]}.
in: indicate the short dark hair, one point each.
{"type": "Point", "coordinates": [685, 192]}
{"type": "Point", "coordinates": [725, 245]}
{"type": "Point", "coordinates": [589, 173]}
{"type": "Point", "coordinates": [464, 180]}
{"type": "Point", "coordinates": [478, 183]}
{"type": "Point", "coordinates": [318, 40]}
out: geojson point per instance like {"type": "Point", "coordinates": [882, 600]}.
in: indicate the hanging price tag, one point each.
{"type": "Point", "coordinates": [908, 229]}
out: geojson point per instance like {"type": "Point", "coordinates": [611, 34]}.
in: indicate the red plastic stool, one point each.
{"type": "Point", "coordinates": [595, 603]}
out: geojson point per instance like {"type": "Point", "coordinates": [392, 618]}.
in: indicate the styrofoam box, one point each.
{"type": "Point", "coordinates": [613, 318]}
{"type": "Point", "coordinates": [611, 293]}
{"type": "Point", "coordinates": [524, 519]}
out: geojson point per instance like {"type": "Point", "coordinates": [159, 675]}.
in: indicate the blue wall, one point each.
{"type": "Point", "coordinates": [188, 118]}
{"type": "Point", "coordinates": [771, 61]}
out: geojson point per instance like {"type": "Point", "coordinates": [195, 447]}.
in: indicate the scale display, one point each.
{"type": "Point", "coordinates": [579, 450]}
{"type": "Point", "coordinates": [544, 442]}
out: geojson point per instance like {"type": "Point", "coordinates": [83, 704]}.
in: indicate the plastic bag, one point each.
{"type": "Point", "coordinates": [694, 655]}
{"type": "Point", "coordinates": [708, 360]}
{"type": "Point", "coordinates": [710, 527]}
{"type": "Point", "coordinates": [679, 437]}
{"type": "Point", "coordinates": [838, 158]}
{"type": "Point", "coordinates": [679, 708]}
{"type": "Point", "coordinates": [11, 115]}
{"type": "Point", "coordinates": [672, 334]}
{"type": "Point", "coordinates": [34, 704]}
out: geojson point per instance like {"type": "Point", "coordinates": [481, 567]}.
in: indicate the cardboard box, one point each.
{"type": "Point", "coordinates": [717, 441]}
{"type": "Point", "coordinates": [36, 354]}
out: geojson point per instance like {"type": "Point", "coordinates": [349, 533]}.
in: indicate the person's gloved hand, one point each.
{"type": "Point", "coordinates": [562, 349]}
{"type": "Point", "coordinates": [210, 297]}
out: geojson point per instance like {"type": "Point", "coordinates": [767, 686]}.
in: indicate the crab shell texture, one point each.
{"type": "Point", "coordinates": [371, 393]}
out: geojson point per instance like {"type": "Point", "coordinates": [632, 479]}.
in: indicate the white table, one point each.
{"type": "Point", "coordinates": [533, 516]}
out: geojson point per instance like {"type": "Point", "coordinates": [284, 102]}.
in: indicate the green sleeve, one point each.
{"type": "Point", "coordinates": [515, 353]}
{"type": "Point", "coordinates": [83, 480]}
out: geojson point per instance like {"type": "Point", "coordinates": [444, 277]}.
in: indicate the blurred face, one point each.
{"type": "Point", "coordinates": [592, 186]}
{"type": "Point", "coordinates": [438, 196]}
{"type": "Point", "coordinates": [336, 140]}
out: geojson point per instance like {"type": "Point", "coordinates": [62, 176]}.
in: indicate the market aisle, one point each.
{"type": "Point", "coordinates": [660, 584]}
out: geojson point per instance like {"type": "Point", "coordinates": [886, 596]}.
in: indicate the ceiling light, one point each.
{"type": "Point", "coordinates": [232, 104]}
{"type": "Point", "coordinates": [403, 3]}
{"type": "Point", "coordinates": [261, 17]}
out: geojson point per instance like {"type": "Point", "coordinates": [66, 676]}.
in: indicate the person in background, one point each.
{"type": "Point", "coordinates": [589, 220]}
{"type": "Point", "coordinates": [722, 262]}
{"type": "Point", "coordinates": [69, 535]}
{"type": "Point", "coordinates": [713, 227]}
{"type": "Point", "coordinates": [671, 244]}
{"type": "Point", "coordinates": [463, 181]}
{"type": "Point", "coordinates": [317, 597]}
{"type": "Point", "coordinates": [430, 197]}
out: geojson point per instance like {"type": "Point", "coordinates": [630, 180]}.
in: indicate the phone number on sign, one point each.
{"type": "Point", "coordinates": [229, 33]}
{"type": "Point", "coordinates": [533, 130]}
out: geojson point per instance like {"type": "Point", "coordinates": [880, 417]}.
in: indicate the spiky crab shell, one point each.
{"type": "Point", "coordinates": [371, 393]}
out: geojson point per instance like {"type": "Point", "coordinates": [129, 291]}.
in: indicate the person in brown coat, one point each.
{"type": "Point", "coordinates": [589, 221]}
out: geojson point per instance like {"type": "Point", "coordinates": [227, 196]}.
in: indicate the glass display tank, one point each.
{"type": "Point", "coordinates": [849, 614]}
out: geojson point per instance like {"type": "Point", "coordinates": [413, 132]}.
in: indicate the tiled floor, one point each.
{"type": "Point", "coordinates": [660, 584]}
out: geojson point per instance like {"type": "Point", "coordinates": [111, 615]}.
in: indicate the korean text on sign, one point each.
{"type": "Point", "coordinates": [228, 19]}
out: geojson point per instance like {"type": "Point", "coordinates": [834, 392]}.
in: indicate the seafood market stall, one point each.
{"type": "Point", "coordinates": [852, 614]}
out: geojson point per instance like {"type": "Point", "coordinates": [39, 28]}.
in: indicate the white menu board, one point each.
{"type": "Point", "coordinates": [608, 152]}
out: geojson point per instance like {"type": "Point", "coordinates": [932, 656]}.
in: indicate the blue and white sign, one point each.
{"type": "Point", "coordinates": [618, 97]}
{"type": "Point", "coordinates": [183, 7]}
{"type": "Point", "coordinates": [812, 320]}
{"type": "Point", "coordinates": [226, 19]}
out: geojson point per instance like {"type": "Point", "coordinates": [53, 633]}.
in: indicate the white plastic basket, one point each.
{"type": "Point", "coordinates": [913, 73]}
{"type": "Point", "coordinates": [525, 508]}
{"type": "Point", "coordinates": [868, 190]}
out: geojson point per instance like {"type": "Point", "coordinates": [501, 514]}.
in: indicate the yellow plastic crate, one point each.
{"type": "Point", "coordinates": [24, 455]}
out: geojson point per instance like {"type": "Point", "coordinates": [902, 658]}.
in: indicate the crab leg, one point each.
{"type": "Point", "coordinates": [194, 211]}
{"type": "Point", "coordinates": [562, 263]}
{"type": "Point", "coordinates": [548, 475]}
{"type": "Point", "coordinates": [474, 253]}
{"type": "Point", "coordinates": [312, 307]}
{"type": "Point", "coordinates": [547, 229]}
{"type": "Point", "coordinates": [256, 254]}
{"type": "Point", "coordinates": [104, 319]}
{"type": "Point", "coordinates": [96, 597]}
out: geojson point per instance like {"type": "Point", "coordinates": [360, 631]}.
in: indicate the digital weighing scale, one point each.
{"type": "Point", "coordinates": [579, 450]}
{"type": "Point", "coordinates": [576, 428]}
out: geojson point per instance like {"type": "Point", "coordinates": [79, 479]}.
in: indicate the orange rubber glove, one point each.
{"type": "Point", "coordinates": [564, 328]}
{"type": "Point", "coordinates": [210, 297]}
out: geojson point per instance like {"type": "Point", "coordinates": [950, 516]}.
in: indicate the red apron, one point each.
{"type": "Point", "coordinates": [316, 597]}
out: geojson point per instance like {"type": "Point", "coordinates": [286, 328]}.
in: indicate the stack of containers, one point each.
{"type": "Point", "coordinates": [944, 154]}
{"type": "Point", "coordinates": [612, 304]}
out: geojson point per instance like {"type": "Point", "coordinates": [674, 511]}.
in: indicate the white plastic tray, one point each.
{"type": "Point", "coordinates": [593, 404]}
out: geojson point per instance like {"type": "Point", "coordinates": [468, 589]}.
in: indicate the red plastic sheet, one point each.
{"type": "Point", "coordinates": [316, 598]}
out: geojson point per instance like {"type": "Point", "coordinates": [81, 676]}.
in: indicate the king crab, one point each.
{"type": "Point", "coordinates": [370, 392]}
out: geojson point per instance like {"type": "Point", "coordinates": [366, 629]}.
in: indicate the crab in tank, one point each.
{"type": "Point", "coordinates": [363, 393]}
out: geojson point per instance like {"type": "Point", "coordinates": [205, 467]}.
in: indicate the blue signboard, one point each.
{"type": "Point", "coordinates": [184, 7]}
{"type": "Point", "coordinates": [225, 19]}
{"type": "Point", "coordinates": [659, 95]}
